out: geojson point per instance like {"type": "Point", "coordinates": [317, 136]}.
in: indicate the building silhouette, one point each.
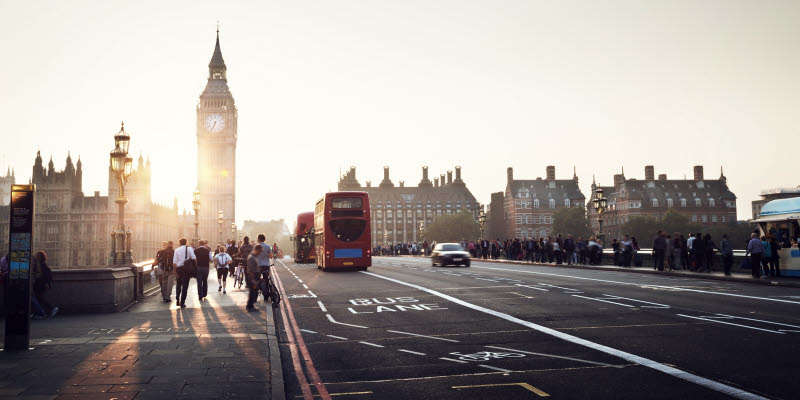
{"type": "Point", "coordinates": [5, 187]}
{"type": "Point", "coordinates": [398, 211]}
{"type": "Point", "coordinates": [530, 204]}
{"type": "Point", "coordinates": [216, 150]}
{"type": "Point", "coordinates": [705, 201]}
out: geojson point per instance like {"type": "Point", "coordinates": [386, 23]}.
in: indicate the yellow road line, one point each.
{"type": "Point", "coordinates": [339, 394]}
{"type": "Point", "coordinates": [524, 385]}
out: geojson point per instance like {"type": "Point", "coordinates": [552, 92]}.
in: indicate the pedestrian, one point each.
{"type": "Point", "coordinates": [698, 252]}
{"type": "Point", "coordinates": [659, 250]}
{"type": "Point", "coordinates": [615, 247]}
{"type": "Point", "coordinates": [42, 282]}
{"type": "Point", "coordinates": [755, 249]}
{"type": "Point", "coordinates": [261, 270]}
{"type": "Point", "coordinates": [185, 263]}
{"type": "Point", "coordinates": [766, 260]}
{"type": "Point", "coordinates": [163, 263]}
{"type": "Point", "coordinates": [223, 261]}
{"type": "Point", "coordinates": [776, 258]}
{"type": "Point", "coordinates": [726, 251]}
{"type": "Point", "coordinates": [626, 247]}
{"type": "Point", "coordinates": [710, 248]}
{"type": "Point", "coordinates": [668, 259]}
{"type": "Point", "coordinates": [677, 246]}
{"type": "Point", "coordinates": [253, 276]}
{"type": "Point", "coordinates": [244, 252]}
{"type": "Point", "coordinates": [203, 254]}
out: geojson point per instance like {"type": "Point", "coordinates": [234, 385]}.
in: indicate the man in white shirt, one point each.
{"type": "Point", "coordinates": [182, 254]}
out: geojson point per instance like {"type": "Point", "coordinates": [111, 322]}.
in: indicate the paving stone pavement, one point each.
{"type": "Point", "coordinates": [213, 349]}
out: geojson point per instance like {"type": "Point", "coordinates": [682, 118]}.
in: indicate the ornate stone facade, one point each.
{"type": "Point", "coordinates": [397, 211]}
{"type": "Point", "coordinates": [705, 201]}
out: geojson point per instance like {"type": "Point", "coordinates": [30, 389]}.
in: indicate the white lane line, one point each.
{"type": "Point", "coordinates": [342, 323]}
{"type": "Point", "coordinates": [638, 301]}
{"type": "Point", "coordinates": [371, 344]}
{"type": "Point", "coordinates": [312, 294]}
{"type": "Point", "coordinates": [533, 287]}
{"type": "Point", "coordinates": [305, 286]}
{"type": "Point", "coordinates": [555, 356]}
{"type": "Point", "coordinates": [720, 387]}
{"type": "Point", "coordinates": [337, 337]}
{"type": "Point", "coordinates": [605, 301]}
{"type": "Point", "coordinates": [306, 330]}
{"type": "Point", "coordinates": [299, 280]}
{"type": "Point", "coordinates": [495, 368]}
{"type": "Point", "coordinates": [758, 320]}
{"type": "Point", "coordinates": [643, 285]}
{"type": "Point", "coordinates": [452, 360]}
{"type": "Point", "coordinates": [425, 336]}
{"type": "Point", "coordinates": [322, 306]}
{"type": "Point", "coordinates": [411, 352]}
{"type": "Point", "coordinates": [731, 323]}
{"type": "Point", "coordinates": [559, 287]}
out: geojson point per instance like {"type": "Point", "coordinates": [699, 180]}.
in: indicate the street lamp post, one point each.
{"type": "Point", "coordinates": [219, 219]}
{"type": "Point", "coordinates": [422, 237]}
{"type": "Point", "coordinates": [599, 203]}
{"type": "Point", "coordinates": [233, 231]}
{"type": "Point", "coordinates": [482, 219]}
{"type": "Point", "coordinates": [121, 166]}
{"type": "Point", "coordinates": [196, 207]}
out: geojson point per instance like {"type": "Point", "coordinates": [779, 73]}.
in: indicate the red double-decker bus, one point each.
{"type": "Point", "coordinates": [342, 235]}
{"type": "Point", "coordinates": [304, 238]}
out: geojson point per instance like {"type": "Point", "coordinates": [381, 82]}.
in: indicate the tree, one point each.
{"type": "Point", "coordinates": [571, 221]}
{"type": "Point", "coordinates": [453, 228]}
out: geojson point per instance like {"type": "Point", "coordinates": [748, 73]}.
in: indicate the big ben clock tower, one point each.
{"type": "Point", "coordinates": [216, 152]}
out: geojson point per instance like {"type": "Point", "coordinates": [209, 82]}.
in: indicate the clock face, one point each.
{"type": "Point", "coordinates": [215, 123]}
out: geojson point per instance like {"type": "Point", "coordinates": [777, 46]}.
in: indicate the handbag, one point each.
{"type": "Point", "coordinates": [189, 265]}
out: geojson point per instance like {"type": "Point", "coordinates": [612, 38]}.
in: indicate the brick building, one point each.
{"type": "Point", "coordinates": [397, 211]}
{"type": "Point", "coordinates": [705, 201]}
{"type": "Point", "coordinates": [531, 204]}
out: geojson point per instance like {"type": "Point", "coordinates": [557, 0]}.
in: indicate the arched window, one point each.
{"type": "Point", "coordinates": [566, 203]}
{"type": "Point", "coordinates": [535, 203]}
{"type": "Point", "coordinates": [683, 202]}
{"type": "Point", "coordinates": [669, 203]}
{"type": "Point", "coordinates": [711, 202]}
{"type": "Point", "coordinates": [654, 201]}
{"type": "Point", "coordinates": [698, 202]}
{"type": "Point", "coordinates": [552, 203]}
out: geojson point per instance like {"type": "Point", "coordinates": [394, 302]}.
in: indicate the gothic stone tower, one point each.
{"type": "Point", "coordinates": [216, 151]}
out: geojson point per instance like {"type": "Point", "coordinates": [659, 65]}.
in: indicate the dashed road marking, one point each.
{"type": "Point", "coordinates": [371, 344]}
{"type": "Point", "coordinates": [412, 352]}
{"type": "Point", "coordinates": [425, 336]}
{"type": "Point", "coordinates": [306, 330]}
{"type": "Point", "coordinates": [452, 360]}
{"type": "Point", "coordinates": [330, 318]}
{"type": "Point", "coordinates": [337, 337]}
{"type": "Point", "coordinates": [731, 323]}
{"type": "Point", "coordinates": [495, 368]}
{"type": "Point", "coordinates": [322, 306]}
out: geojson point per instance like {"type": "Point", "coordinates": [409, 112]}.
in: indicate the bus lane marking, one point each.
{"type": "Point", "coordinates": [391, 304]}
{"type": "Point", "coordinates": [672, 371]}
{"type": "Point", "coordinates": [330, 318]}
{"type": "Point", "coordinates": [555, 356]}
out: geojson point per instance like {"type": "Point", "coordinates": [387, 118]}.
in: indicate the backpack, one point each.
{"type": "Point", "coordinates": [47, 275]}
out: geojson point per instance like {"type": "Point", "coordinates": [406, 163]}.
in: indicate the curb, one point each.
{"type": "Point", "coordinates": [697, 275]}
{"type": "Point", "coordinates": [275, 366]}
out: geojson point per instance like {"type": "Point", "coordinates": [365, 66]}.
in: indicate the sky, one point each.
{"type": "Point", "coordinates": [324, 85]}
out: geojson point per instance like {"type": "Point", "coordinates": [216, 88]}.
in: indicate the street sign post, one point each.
{"type": "Point", "coordinates": [18, 289]}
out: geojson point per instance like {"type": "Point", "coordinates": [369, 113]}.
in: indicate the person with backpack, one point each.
{"type": "Point", "coordinates": [203, 254]}
{"type": "Point", "coordinates": [223, 261]}
{"type": "Point", "coordinates": [42, 281]}
{"type": "Point", "coordinates": [185, 263]}
{"type": "Point", "coordinates": [163, 262]}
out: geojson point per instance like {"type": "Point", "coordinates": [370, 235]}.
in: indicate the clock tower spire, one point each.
{"type": "Point", "coordinates": [216, 151]}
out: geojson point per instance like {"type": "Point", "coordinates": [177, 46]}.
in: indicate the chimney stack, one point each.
{"type": "Point", "coordinates": [551, 173]}
{"type": "Point", "coordinates": [510, 174]}
{"type": "Point", "coordinates": [662, 177]}
{"type": "Point", "coordinates": [386, 173]}
{"type": "Point", "coordinates": [698, 172]}
{"type": "Point", "coordinates": [649, 173]}
{"type": "Point", "coordinates": [449, 177]}
{"type": "Point", "coordinates": [369, 183]}
{"type": "Point", "coordinates": [424, 173]}
{"type": "Point", "coordinates": [435, 182]}
{"type": "Point", "coordinates": [402, 184]}
{"type": "Point", "coordinates": [618, 179]}
{"type": "Point", "coordinates": [458, 174]}
{"type": "Point", "coordinates": [441, 179]}
{"type": "Point", "coordinates": [353, 173]}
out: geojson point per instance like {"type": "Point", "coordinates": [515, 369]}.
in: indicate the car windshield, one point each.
{"type": "Point", "coordinates": [451, 247]}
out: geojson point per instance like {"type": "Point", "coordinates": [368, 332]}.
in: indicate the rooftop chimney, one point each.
{"type": "Point", "coordinates": [386, 173]}
{"type": "Point", "coordinates": [698, 172]}
{"type": "Point", "coordinates": [649, 173]}
{"type": "Point", "coordinates": [449, 177]}
{"type": "Point", "coordinates": [458, 174]}
{"type": "Point", "coordinates": [386, 182]}
{"type": "Point", "coordinates": [369, 183]}
{"type": "Point", "coordinates": [441, 179]}
{"type": "Point", "coordinates": [618, 179]}
{"type": "Point", "coordinates": [510, 174]}
{"type": "Point", "coordinates": [551, 173]}
{"type": "Point", "coordinates": [424, 173]}
{"type": "Point", "coordinates": [435, 182]}
{"type": "Point", "coordinates": [662, 177]}
{"type": "Point", "coordinates": [353, 173]}
{"type": "Point", "coordinates": [402, 183]}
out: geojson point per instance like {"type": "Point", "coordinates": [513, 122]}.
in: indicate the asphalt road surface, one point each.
{"type": "Point", "coordinates": [406, 330]}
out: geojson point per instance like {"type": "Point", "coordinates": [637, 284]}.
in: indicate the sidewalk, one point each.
{"type": "Point", "coordinates": [210, 350]}
{"type": "Point", "coordinates": [737, 275]}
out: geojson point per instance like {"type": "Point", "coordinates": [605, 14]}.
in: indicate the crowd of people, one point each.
{"type": "Point", "coordinates": [669, 252]}
{"type": "Point", "coordinates": [243, 262]}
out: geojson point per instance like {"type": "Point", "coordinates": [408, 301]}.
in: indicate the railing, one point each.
{"type": "Point", "coordinates": [143, 277]}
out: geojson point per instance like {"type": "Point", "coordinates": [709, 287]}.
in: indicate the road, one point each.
{"type": "Point", "coordinates": [406, 330]}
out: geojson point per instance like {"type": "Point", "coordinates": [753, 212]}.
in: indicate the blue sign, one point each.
{"type": "Point", "coordinates": [347, 253]}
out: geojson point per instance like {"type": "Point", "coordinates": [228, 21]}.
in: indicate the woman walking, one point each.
{"type": "Point", "coordinates": [43, 278]}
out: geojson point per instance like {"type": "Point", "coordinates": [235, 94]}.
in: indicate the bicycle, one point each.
{"type": "Point", "coordinates": [268, 290]}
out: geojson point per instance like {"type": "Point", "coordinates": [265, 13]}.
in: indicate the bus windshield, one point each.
{"type": "Point", "coordinates": [346, 202]}
{"type": "Point", "coordinates": [348, 230]}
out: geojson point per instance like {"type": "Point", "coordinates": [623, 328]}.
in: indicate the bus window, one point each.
{"type": "Point", "coordinates": [348, 230]}
{"type": "Point", "coordinates": [346, 202]}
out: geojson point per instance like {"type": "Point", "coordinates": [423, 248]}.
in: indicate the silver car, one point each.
{"type": "Point", "coordinates": [449, 254]}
